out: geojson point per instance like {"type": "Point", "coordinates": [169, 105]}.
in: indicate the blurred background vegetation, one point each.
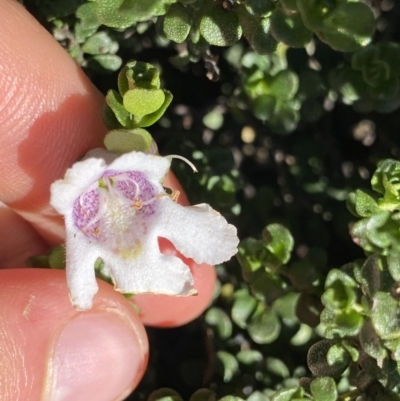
{"type": "Point", "coordinates": [290, 110]}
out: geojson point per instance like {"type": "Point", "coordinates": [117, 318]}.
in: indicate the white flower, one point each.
{"type": "Point", "coordinates": [115, 208]}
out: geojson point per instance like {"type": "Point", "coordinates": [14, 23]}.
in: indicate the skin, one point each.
{"type": "Point", "coordinates": [50, 115]}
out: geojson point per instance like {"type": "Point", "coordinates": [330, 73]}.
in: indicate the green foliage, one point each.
{"type": "Point", "coordinates": [377, 229]}
{"type": "Point", "coordinates": [139, 103]}
{"type": "Point", "coordinates": [177, 23]}
{"type": "Point", "coordinates": [219, 27]}
{"type": "Point", "coordinates": [344, 25]}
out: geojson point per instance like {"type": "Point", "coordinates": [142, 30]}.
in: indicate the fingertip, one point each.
{"type": "Point", "coordinates": [62, 353]}
{"type": "Point", "coordinates": [19, 241]}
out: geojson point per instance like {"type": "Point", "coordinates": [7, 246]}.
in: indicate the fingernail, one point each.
{"type": "Point", "coordinates": [96, 357]}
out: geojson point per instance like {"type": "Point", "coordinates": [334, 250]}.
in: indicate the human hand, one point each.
{"type": "Point", "coordinates": [50, 114]}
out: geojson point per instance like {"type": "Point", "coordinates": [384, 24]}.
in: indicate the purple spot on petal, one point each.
{"type": "Point", "coordinates": [85, 209]}
{"type": "Point", "coordinates": [126, 187]}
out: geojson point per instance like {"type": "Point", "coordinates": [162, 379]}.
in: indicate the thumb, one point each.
{"type": "Point", "coordinates": [50, 351]}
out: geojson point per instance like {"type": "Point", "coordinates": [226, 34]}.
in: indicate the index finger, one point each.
{"type": "Point", "coordinates": [50, 114]}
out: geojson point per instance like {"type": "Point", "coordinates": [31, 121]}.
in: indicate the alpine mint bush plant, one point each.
{"type": "Point", "coordinates": [290, 111]}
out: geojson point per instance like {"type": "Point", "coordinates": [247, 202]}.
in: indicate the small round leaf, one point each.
{"type": "Point", "coordinates": [124, 141]}
{"type": "Point", "coordinates": [220, 27]}
{"type": "Point", "coordinates": [140, 101]}
{"type": "Point", "coordinates": [290, 29]}
{"type": "Point", "coordinates": [177, 23]}
{"type": "Point", "coordinates": [264, 328]}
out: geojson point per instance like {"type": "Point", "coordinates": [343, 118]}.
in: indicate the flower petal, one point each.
{"type": "Point", "coordinates": [198, 232]}
{"type": "Point", "coordinates": [81, 255]}
{"type": "Point", "coordinates": [154, 167]}
{"type": "Point", "coordinates": [149, 271]}
{"type": "Point", "coordinates": [76, 181]}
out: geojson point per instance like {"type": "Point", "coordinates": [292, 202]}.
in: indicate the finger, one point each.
{"type": "Point", "coordinates": [19, 241]}
{"type": "Point", "coordinates": [167, 311]}
{"type": "Point", "coordinates": [50, 351]}
{"type": "Point", "coordinates": [50, 114]}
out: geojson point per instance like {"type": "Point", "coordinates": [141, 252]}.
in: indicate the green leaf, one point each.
{"type": "Point", "coordinates": [109, 62]}
{"type": "Point", "coordinates": [260, 8]}
{"type": "Point", "coordinates": [140, 101]}
{"type": "Point", "coordinates": [339, 293]}
{"type": "Point", "coordinates": [100, 43]}
{"type": "Point", "coordinates": [262, 41]}
{"type": "Point", "coordinates": [372, 277]}
{"type": "Point", "coordinates": [257, 31]}
{"type": "Point", "coordinates": [386, 181]}
{"type": "Point", "coordinates": [264, 327]}
{"type": "Point", "coordinates": [302, 336]}
{"type": "Point", "coordinates": [385, 317]}
{"type": "Point", "coordinates": [138, 74]}
{"type": "Point", "coordinates": [284, 85]}
{"type": "Point", "coordinates": [345, 26]}
{"type": "Point", "coordinates": [124, 141]}
{"type": "Point", "coordinates": [393, 261]}
{"type": "Point", "coordinates": [378, 65]}
{"type": "Point", "coordinates": [249, 357]}
{"type": "Point", "coordinates": [328, 358]}
{"type": "Point", "coordinates": [230, 398]}
{"type": "Point", "coordinates": [285, 118]}
{"type": "Point", "coordinates": [242, 309]}
{"type": "Point", "coordinates": [285, 307]}
{"type": "Point", "coordinates": [341, 323]}
{"type": "Point", "coordinates": [230, 365]}
{"type": "Point", "coordinates": [250, 255]}
{"type": "Point", "coordinates": [268, 286]}
{"type": "Point", "coordinates": [362, 204]}
{"type": "Point", "coordinates": [290, 29]}
{"type": "Point", "coordinates": [279, 241]}
{"type": "Point", "coordinates": [323, 389]}
{"type": "Point", "coordinates": [258, 396]}
{"type": "Point", "coordinates": [277, 367]}
{"type": "Point", "coordinates": [164, 394]}
{"type": "Point", "coordinates": [124, 13]}
{"type": "Point", "coordinates": [371, 343]}
{"type": "Point", "coordinates": [220, 27]}
{"type": "Point", "coordinates": [264, 107]}
{"type": "Point", "coordinates": [150, 119]}
{"type": "Point", "coordinates": [288, 394]}
{"type": "Point", "coordinates": [220, 320]}
{"type": "Point", "coordinates": [177, 23]}
{"type": "Point", "coordinates": [314, 12]}
{"type": "Point", "coordinates": [203, 394]}
{"type": "Point", "coordinates": [114, 101]}
{"type": "Point", "coordinates": [88, 23]}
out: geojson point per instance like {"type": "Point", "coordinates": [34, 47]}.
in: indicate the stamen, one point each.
{"type": "Point", "coordinates": [125, 177]}
{"type": "Point", "coordinates": [175, 195]}
{"type": "Point", "coordinates": [110, 186]}
{"type": "Point", "coordinates": [184, 159]}
{"type": "Point", "coordinates": [137, 204]}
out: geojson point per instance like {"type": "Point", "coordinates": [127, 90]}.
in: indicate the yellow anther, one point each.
{"type": "Point", "coordinates": [175, 195]}
{"type": "Point", "coordinates": [137, 204]}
